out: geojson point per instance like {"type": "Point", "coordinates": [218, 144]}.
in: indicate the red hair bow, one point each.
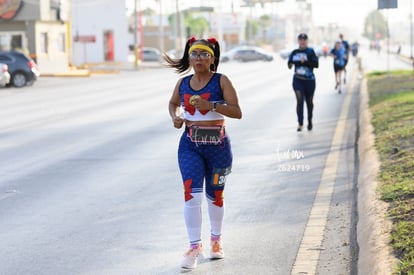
{"type": "Point", "coordinates": [191, 40]}
{"type": "Point", "coordinates": [212, 40]}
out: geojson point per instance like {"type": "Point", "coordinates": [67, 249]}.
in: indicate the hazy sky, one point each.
{"type": "Point", "coordinates": [351, 13]}
{"type": "Point", "coordinates": [354, 11]}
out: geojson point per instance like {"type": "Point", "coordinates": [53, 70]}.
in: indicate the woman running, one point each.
{"type": "Point", "coordinates": [304, 60]}
{"type": "Point", "coordinates": [204, 152]}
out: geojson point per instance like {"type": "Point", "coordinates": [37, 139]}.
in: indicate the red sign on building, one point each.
{"type": "Point", "coordinates": [85, 38]}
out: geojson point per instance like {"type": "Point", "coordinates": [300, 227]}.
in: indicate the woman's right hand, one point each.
{"type": "Point", "coordinates": [178, 122]}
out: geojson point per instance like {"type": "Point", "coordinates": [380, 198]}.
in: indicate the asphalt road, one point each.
{"type": "Point", "coordinates": [89, 181]}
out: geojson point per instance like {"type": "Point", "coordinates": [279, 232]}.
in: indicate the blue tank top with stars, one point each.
{"type": "Point", "coordinates": [211, 92]}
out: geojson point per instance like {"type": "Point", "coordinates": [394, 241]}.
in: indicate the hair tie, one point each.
{"type": "Point", "coordinates": [212, 40]}
{"type": "Point", "coordinates": [191, 40]}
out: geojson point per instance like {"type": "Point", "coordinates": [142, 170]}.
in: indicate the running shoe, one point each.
{"type": "Point", "coordinates": [310, 125]}
{"type": "Point", "coordinates": [191, 256]}
{"type": "Point", "coordinates": [216, 250]}
{"type": "Point", "coordinates": [299, 129]}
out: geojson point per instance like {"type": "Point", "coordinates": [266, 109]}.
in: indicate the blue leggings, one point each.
{"type": "Point", "coordinates": [209, 162]}
{"type": "Point", "coordinates": [304, 91]}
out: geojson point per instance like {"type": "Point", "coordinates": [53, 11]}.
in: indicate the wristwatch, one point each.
{"type": "Point", "coordinates": [214, 106]}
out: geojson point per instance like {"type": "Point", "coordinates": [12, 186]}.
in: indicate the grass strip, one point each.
{"type": "Point", "coordinates": [392, 107]}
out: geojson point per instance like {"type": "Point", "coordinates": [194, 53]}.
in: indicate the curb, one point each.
{"type": "Point", "coordinates": [373, 228]}
{"type": "Point", "coordinates": [77, 73]}
{"type": "Point", "coordinates": [406, 59]}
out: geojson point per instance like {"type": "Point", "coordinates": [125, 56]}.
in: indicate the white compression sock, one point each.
{"type": "Point", "coordinates": [216, 214]}
{"type": "Point", "coordinates": [192, 216]}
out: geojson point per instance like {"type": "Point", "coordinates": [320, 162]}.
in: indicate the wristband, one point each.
{"type": "Point", "coordinates": [214, 106]}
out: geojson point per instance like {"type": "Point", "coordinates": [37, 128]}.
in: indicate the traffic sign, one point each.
{"type": "Point", "coordinates": [387, 4]}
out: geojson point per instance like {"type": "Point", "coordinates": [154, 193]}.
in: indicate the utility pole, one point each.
{"type": "Point", "coordinates": [250, 33]}
{"type": "Point", "coordinates": [137, 31]}
{"type": "Point", "coordinates": [388, 4]}
{"type": "Point", "coordinates": [135, 36]}
{"type": "Point", "coordinates": [160, 28]}
{"type": "Point", "coordinates": [178, 26]}
{"type": "Point", "coordinates": [220, 35]}
{"type": "Point", "coordinates": [140, 30]}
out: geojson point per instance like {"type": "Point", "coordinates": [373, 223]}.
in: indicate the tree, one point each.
{"type": "Point", "coordinates": [149, 12]}
{"type": "Point", "coordinates": [197, 26]}
{"type": "Point", "coordinates": [265, 22]}
{"type": "Point", "coordinates": [252, 28]}
{"type": "Point", "coordinates": [376, 26]}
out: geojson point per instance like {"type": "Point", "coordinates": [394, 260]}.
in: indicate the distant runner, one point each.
{"type": "Point", "coordinates": [347, 48]}
{"type": "Point", "coordinates": [305, 60]}
{"type": "Point", "coordinates": [339, 56]}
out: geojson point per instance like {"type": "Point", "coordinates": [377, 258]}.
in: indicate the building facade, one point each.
{"type": "Point", "coordinates": [99, 32]}
{"type": "Point", "coordinates": [61, 33]}
{"type": "Point", "coordinates": [39, 28]}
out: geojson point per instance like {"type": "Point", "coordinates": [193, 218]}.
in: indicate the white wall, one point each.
{"type": "Point", "coordinates": [55, 60]}
{"type": "Point", "coordinates": [94, 18]}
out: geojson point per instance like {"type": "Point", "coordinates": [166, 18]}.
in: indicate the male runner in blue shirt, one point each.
{"type": "Point", "coordinates": [347, 48]}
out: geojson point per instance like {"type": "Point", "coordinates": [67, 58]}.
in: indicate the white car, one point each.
{"type": "Point", "coordinates": [284, 53]}
{"type": "Point", "coordinates": [246, 53]}
{"type": "Point", "coordinates": [4, 75]}
{"type": "Point", "coordinates": [173, 53]}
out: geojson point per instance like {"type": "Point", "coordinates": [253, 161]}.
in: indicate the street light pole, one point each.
{"type": "Point", "coordinates": [140, 30]}
{"type": "Point", "coordinates": [388, 43]}
{"type": "Point", "coordinates": [178, 26]}
{"type": "Point", "coordinates": [137, 30]}
{"type": "Point", "coordinates": [135, 36]}
{"type": "Point", "coordinates": [411, 29]}
{"type": "Point", "coordinates": [160, 28]}
{"type": "Point", "coordinates": [220, 35]}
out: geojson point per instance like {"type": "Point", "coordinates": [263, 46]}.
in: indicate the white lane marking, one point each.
{"type": "Point", "coordinates": [309, 250]}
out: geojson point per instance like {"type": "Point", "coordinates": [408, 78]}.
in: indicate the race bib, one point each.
{"type": "Point", "coordinates": [301, 70]}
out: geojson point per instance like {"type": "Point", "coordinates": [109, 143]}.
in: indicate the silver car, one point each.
{"type": "Point", "coordinates": [247, 53]}
{"type": "Point", "coordinates": [4, 75]}
{"type": "Point", "coordinates": [253, 54]}
{"type": "Point", "coordinates": [151, 54]}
